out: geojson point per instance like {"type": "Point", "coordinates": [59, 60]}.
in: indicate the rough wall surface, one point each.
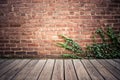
{"type": "Point", "coordinates": [31, 27]}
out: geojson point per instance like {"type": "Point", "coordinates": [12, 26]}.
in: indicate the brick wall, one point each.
{"type": "Point", "coordinates": [31, 27]}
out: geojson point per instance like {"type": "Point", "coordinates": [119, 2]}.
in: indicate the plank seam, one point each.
{"type": "Point", "coordinates": [97, 69]}
{"type": "Point", "coordinates": [116, 61]}
{"type": "Point", "coordinates": [113, 65]}
{"type": "Point", "coordinates": [20, 70]}
{"type": "Point", "coordinates": [53, 69]}
{"type": "Point", "coordinates": [64, 69]}
{"type": "Point", "coordinates": [86, 70]}
{"type": "Point", "coordinates": [31, 70]}
{"type": "Point", "coordinates": [10, 68]}
{"type": "Point", "coordinates": [8, 63]}
{"type": "Point", "coordinates": [108, 69]}
{"type": "Point", "coordinates": [75, 70]}
{"type": "Point", "coordinates": [4, 60]}
{"type": "Point", "coordinates": [42, 69]}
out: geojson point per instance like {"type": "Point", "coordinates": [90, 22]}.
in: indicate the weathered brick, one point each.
{"type": "Point", "coordinates": [115, 1]}
{"type": "Point", "coordinates": [117, 17]}
{"type": "Point", "coordinates": [32, 53]}
{"type": "Point", "coordinates": [4, 49]}
{"type": "Point", "coordinates": [2, 45]}
{"type": "Point", "coordinates": [10, 45]}
{"type": "Point", "coordinates": [37, 1]}
{"type": "Point", "coordinates": [97, 17]}
{"type": "Point", "coordinates": [33, 45]}
{"type": "Point", "coordinates": [3, 1]}
{"type": "Point", "coordinates": [4, 25]}
{"type": "Point", "coordinates": [21, 53]}
{"type": "Point", "coordinates": [9, 52]}
{"type": "Point", "coordinates": [114, 5]}
{"type": "Point", "coordinates": [15, 25]}
{"type": "Point", "coordinates": [85, 17]}
{"type": "Point", "coordinates": [26, 41]}
{"type": "Point", "coordinates": [107, 17]}
{"type": "Point", "coordinates": [16, 49]}
{"type": "Point", "coordinates": [14, 41]}
{"type": "Point", "coordinates": [4, 41]}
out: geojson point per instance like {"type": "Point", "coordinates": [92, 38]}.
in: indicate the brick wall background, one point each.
{"type": "Point", "coordinates": [31, 27]}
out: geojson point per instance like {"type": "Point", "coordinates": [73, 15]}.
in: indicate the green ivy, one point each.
{"type": "Point", "coordinates": [73, 56]}
{"type": "Point", "coordinates": [101, 50]}
{"type": "Point", "coordinates": [104, 49]}
{"type": "Point", "coordinates": [101, 33]}
{"type": "Point", "coordinates": [72, 46]}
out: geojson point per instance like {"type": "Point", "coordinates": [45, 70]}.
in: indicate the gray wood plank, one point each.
{"type": "Point", "coordinates": [47, 70]}
{"type": "Point", "coordinates": [117, 60]}
{"type": "Point", "coordinates": [2, 60]}
{"type": "Point", "coordinates": [104, 72]}
{"type": "Point", "coordinates": [7, 68]}
{"type": "Point", "coordinates": [33, 75]}
{"type": "Point", "coordinates": [110, 68]}
{"type": "Point", "coordinates": [115, 64]}
{"type": "Point", "coordinates": [6, 63]}
{"type": "Point", "coordinates": [11, 73]}
{"type": "Point", "coordinates": [69, 70]}
{"type": "Point", "coordinates": [58, 73]}
{"type": "Point", "coordinates": [54, 70]}
{"type": "Point", "coordinates": [80, 70]}
{"type": "Point", "coordinates": [25, 71]}
{"type": "Point", "coordinates": [94, 74]}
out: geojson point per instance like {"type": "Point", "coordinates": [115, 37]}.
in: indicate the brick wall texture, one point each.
{"type": "Point", "coordinates": [31, 27]}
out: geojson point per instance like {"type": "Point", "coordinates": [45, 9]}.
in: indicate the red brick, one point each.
{"type": "Point", "coordinates": [21, 53]}
{"type": "Point", "coordinates": [85, 17]}
{"type": "Point", "coordinates": [116, 1]}
{"type": "Point", "coordinates": [84, 1]}
{"type": "Point", "coordinates": [10, 45]}
{"type": "Point", "coordinates": [97, 17]}
{"type": "Point", "coordinates": [9, 52]}
{"type": "Point", "coordinates": [26, 41]}
{"type": "Point", "coordinates": [15, 25]}
{"type": "Point", "coordinates": [2, 45]}
{"type": "Point", "coordinates": [107, 17]}
{"type": "Point", "coordinates": [33, 45]}
{"type": "Point", "coordinates": [32, 53]}
{"type": "Point", "coordinates": [4, 41]}
{"type": "Point", "coordinates": [117, 17]}
{"type": "Point", "coordinates": [16, 49]}
{"type": "Point", "coordinates": [97, 1]}
{"type": "Point", "coordinates": [4, 49]}
{"type": "Point", "coordinates": [37, 1]}
{"type": "Point", "coordinates": [3, 1]}
{"type": "Point", "coordinates": [14, 41]}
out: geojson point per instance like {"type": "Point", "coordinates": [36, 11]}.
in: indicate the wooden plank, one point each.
{"type": "Point", "coordinates": [33, 75]}
{"type": "Point", "coordinates": [6, 63]}
{"type": "Point", "coordinates": [7, 68]}
{"type": "Point", "coordinates": [58, 73]}
{"type": "Point", "coordinates": [2, 60]}
{"type": "Point", "coordinates": [117, 60]}
{"type": "Point", "coordinates": [115, 64]}
{"type": "Point", "coordinates": [69, 71]}
{"type": "Point", "coordinates": [110, 68]}
{"type": "Point", "coordinates": [80, 70]}
{"type": "Point", "coordinates": [24, 72]}
{"type": "Point", "coordinates": [94, 74]}
{"type": "Point", "coordinates": [104, 72]}
{"type": "Point", "coordinates": [11, 73]}
{"type": "Point", "coordinates": [47, 70]}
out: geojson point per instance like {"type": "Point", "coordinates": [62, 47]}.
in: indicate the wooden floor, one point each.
{"type": "Point", "coordinates": [59, 69]}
